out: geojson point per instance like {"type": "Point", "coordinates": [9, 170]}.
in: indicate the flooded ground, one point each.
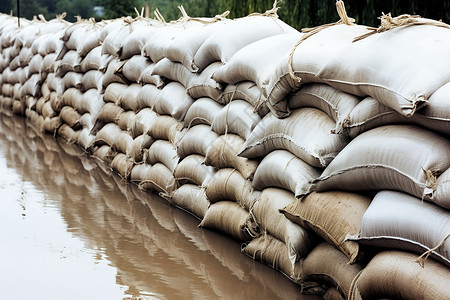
{"type": "Point", "coordinates": [71, 229]}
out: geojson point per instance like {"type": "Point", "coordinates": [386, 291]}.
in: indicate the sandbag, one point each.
{"type": "Point", "coordinates": [92, 60]}
{"type": "Point", "coordinates": [247, 91]}
{"type": "Point", "coordinates": [229, 218]}
{"type": "Point", "coordinates": [192, 170]}
{"type": "Point", "coordinates": [147, 77]}
{"type": "Point", "coordinates": [167, 128]}
{"type": "Point", "coordinates": [113, 92]}
{"type": "Point", "coordinates": [336, 104]}
{"type": "Point", "coordinates": [36, 64]}
{"type": "Point", "coordinates": [128, 99]}
{"type": "Point", "coordinates": [202, 84]}
{"type": "Point", "coordinates": [164, 152]}
{"type": "Point", "coordinates": [31, 86]}
{"type": "Point", "coordinates": [105, 153]}
{"type": "Point", "coordinates": [92, 80]}
{"type": "Point", "coordinates": [135, 41]}
{"type": "Point", "coordinates": [91, 102]}
{"type": "Point", "coordinates": [306, 134]}
{"type": "Point", "coordinates": [70, 116]}
{"type": "Point", "coordinates": [324, 264]}
{"type": "Point", "coordinates": [87, 121]}
{"type": "Point", "coordinates": [83, 38]}
{"type": "Point", "coordinates": [299, 241]}
{"type": "Point", "coordinates": [202, 111]}
{"type": "Point", "coordinates": [122, 165]}
{"type": "Point", "coordinates": [441, 196]}
{"type": "Point", "coordinates": [143, 120]}
{"type": "Point", "coordinates": [282, 169]}
{"type": "Point", "coordinates": [113, 41]}
{"type": "Point", "coordinates": [134, 67]}
{"type": "Point", "coordinates": [85, 139]}
{"type": "Point", "coordinates": [273, 252]}
{"type": "Point", "coordinates": [228, 184]}
{"type": "Point", "coordinates": [159, 179]}
{"type": "Point", "coordinates": [398, 220]}
{"type": "Point", "coordinates": [381, 278]}
{"type": "Point", "coordinates": [139, 148]}
{"type": "Point", "coordinates": [47, 111]}
{"type": "Point", "coordinates": [109, 113]}
{"type": "Point", "coordinates": [192, 199]}
{"type": "Point", "coordinates": [236, 117]}
{"type": "Point", "coordinates": [197, 140]}
{"type": "Point", "coordinates": [126, 120]}
{"type": "Point", "coordinates": [70, 135]}
{"type": "Point", "coordinates": [321, 212]}
{"type": "Point", "coordinates": [72, 79]}
{"type": "Point", "coordinates": [139, 173]}
{"type": "Point", "coordinates": [50, 65]}
{"type": "Point", "coordinates": [173, 71]}
{"type": "Point", "coordinates": [173, 100]}
{"type": "Point", "coordinates": [52, 124]}
{"type": "Point", "coordinates": [231, 37]}
{"type": "Point", "coordinates": [110, 75]}
{"type": "Point", "coordinates": [56, 101]}
{"type": "Point", "coordinates": [223, 154]}
{"type": "Point", "coordinates": [112, 135]}
{"type": "Point", "coordinates": [395, 157]}
{"type": "Point", "coordinates": [147, 96]}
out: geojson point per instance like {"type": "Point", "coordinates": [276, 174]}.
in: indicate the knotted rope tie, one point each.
{"type": "Point", "coordinates": [344, 19]}
{"type": "Point", "coordinates": [159, 16]}
{"type": "Point", "coordinates": [269, 13]}
{"type": "Point", "coordinates": [421, 259]}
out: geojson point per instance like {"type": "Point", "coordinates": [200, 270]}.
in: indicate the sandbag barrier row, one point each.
{"type": "Point", "coordinates": [206, 112]}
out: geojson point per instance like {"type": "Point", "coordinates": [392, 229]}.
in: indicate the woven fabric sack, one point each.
{"type": "Point", "coordinates": [191, 198]}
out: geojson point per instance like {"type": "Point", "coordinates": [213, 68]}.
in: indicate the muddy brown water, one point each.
{"type": "Point", "coordinates": [72, 229]}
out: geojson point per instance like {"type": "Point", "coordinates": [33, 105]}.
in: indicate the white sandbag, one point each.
{"type": "Point", "coordinates": [173, 71]}
{"type": "Point", "coordinates": [306, 133]}
{"type": "Point", "coordinates": [397, 157]}
{"type": "Point", "coordinates": [231, 37]}
{"type": "Point", "coordinates": [223, 154]}
{"type": "Point", "coordinates": [87, 121]}
{"type": "Point", "coordinates": [328, 266]}
{"type": "Point", "coordinates": [192, 170]}
{"type": "Point", "coordinates": [72, 79]}
{"type": "Point", "coordinates": [36, 64]}
{"type": "Point", "coordinates": [139, 172]}
{"type": "Point", "coordinates": [126, 120]}
{"type": "Point", "coordinates": [109, 113]}
{"type": "Point", "coordinates": [135, 42]}
{"type": "Point", "coordinates": [91, 102]}
{"type": "Point", "coordinates": [381, 278]}
{"type": "Point", "coordinates": [192, 199]}
{"type": "Point", "coordinates": [228, 184]}
{"type": "Point", "coordinates": [84, 38]}
{"type": "Point", "coordinates": [55, 101]}
{"type": "Point", "coordinates": [299, 241]}
{"type": "Point", "coordinates": [282, 169]}
{"type": "Point", "coordinates": [105, 153]}
{"type": "Point", "coordinates": [143, 121]}
{"type": "Point", "coordinates": [66, 132]}
{"type": "Point", "coordinates": [173, 100]}
{"type": "Point", "coordinates": [54, 84]}
{"type": "Point", "coordinates": [92, 60]}
{"type": "Point", "coordinates": [128, 99]}
{"type": "Point", "coordinates": [247, 91]}
{"type": "Point", "coordinates": [167, 128]}
{"type": "Point", "coordinates": [47, 111]}
{"type": "Point", "coordinates": [202, 111]}
{"type": "Point", "coordinates": [202, 84]}
{"type": "Point", "coordinates": [333, 102]}
{"type": "Point", "coordinates": [114, 40]}
{"type": "Point", "coordinates": [133, 68]}
{"type": "Point", "coordinates": [159, 179]}
{"type": "Point", "coordinates": [111, 75]}
{"type": "Point", "coordinates": [85, 139]}
{"type": "Point", "coordinates": [320, 212]}
{"type": "Point", "coordinates": [112, 135]}
{"type": "Point", "coordinates": [70, 116]}
{"type": "Point", "coordinates": [400, 221]}
{"type": "Point", "coordinates": [70, 62]}
{"type": "Point", "coordinates": [139, 148]}
{"type": "Point", "coordinates": [147, 77]}
{"type": "Point", "coordinates": [229, 218]}
{"type": "Point", "coordinates": [162, 151]}
{"type": "Point", "coordinates": [113, 92]}
{"type": "Point", "coordinates": [92, 80]}
{"type": "Point", "coordinates": [122, 165]}
{"type": "Point", "coordinates": [236, 117]}
{"type": "Point", "coordinates": [31, 87]}
{"type": "Point", "coordinates": [50, 65]}
{"type": "Point", "coordinates": [39, 105]}
{"type": "Point", "coordinates": [147, 96]}
{"type": "Point", "coordinates": [197, 140]}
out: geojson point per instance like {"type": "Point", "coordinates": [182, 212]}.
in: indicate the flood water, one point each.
{"type": "Point", "coordinates": [72, 229]}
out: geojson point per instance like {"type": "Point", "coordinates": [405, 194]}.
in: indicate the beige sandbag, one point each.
{"type": "Point", "coordinates": [128, 99]}
{"type": "Point", "coordinates": [147, 96]}
{"type": "Point", "coordinates": [273, 252]}
{"type": "Point", "coordinates": [299, 241]}
{"type": "Point", "coordinates": [56, 101]}
{"type": "Point", "coordinates": [400, 221]}
{"type": "Point", "coordinates": [50, 65]}
{"type": "Point", "coordinates": [324, 264]}
{"type": "Point", "coordinates": [282, 169]}
{"type": "Point", "coordinates": [173, 100]}
{"type": "Point", "coordinates": [442, 194]}
{"type": "Point", "coordinates": [306, 133]}
{"type": "Point", "coordinates": [202, 111]}
{"type": "Point", "coordinates": [111, 76]}
{"type": "Point", "coordinates": [88, 121]}
{"type": "Point", "coordinates": [223, 154]}
{"type": "Point", "coordinates": [47, 111]}
{"type": "Point", "coordinates": [85, 139]}
{"type": "Point", "coordinates": [105, 153]}
{"type": "Point", "coordinates": [247, 91]}
{"type": "Point", "coordinates": [83, 37]}
{"type": "Point", "coordinates": [202, 85]}
{"type": "Point", "coordinates": [321, 212]}
{"type": "Point", "coordinates": [167, 128]}
{"type": "Point", "coordinates": [333, 102]}
{"type": "Point", "coordinates": [135, 41]}
{"type": "Point", "coordinates": [36, 64]}
{"type": "Point", "coordinates": [31, 86]}
{"type": "Point", "coordinates": [71, 97]}
{"type": "Point", "coordinates": [228, 184]}
{"type": "Point", "coordinates": [174, 71]}
{"type": "Point", "coordinates": [122, 165]}
{"type": "Point", "coordinates": [113, 92]}
{"type": "Point", "coordinates": [159, 179]}
{"type": "Point", "coordinates": [192, 170]}
{"type": "Point", "coordinates": [139, 148]}
{"type": "Point", "coordinates": [231, 37]}
{"type": "Point", "coordinates": [333, 294]}
{"type": "Point", "coordinates": [109, 113]}
{"type": "Point", "coordinates": [70, 116]}
{"type": "Point", "coordinates": [71, 62]}
{"type": "Point", "coordinates": [92, 80]}
{"type": "Point", "coordinates": [192, 199]}
{"type": "Point", "coordinates": [70, 135]}
{"type": "Point", "coordinates": [139, 172]}
{"type": "Point", "coordinates": [229, 218]}
{"type": "Point", "coordinates": [164, 152]}
{"type": "Point", "coordinates": [197, 140]}
{"type": "Point", "coordinates": [143, 121]}
{"type": "Point", "coordinates": [92, 60]}
{"type": "Point", "coordinates": [112, 135]}
{"type": "Point", "coordinates": [91, 102]}
{"type": "Point", "coordinates": [126, 120]}
{"type": "Point", "coordinates": [396, 275]}
{"type": "Point", "coordinates": [236, 117]}
{"type": "Point", "coordinates": [39, 105]}
{"type": "Point", "coordinates": [398, 157]}
{"type": "Point", "coordinates": [55, 83]}
{"type": "Point", "coordinates": [147, 77]}
{"type": "Point", "coordinates": [114, 39]}
{"type": "Point", "coordinates": [134, 67]}
{"type": "Point", "coordinates": [52, 124]}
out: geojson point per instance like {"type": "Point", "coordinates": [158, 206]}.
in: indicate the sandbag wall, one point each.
{"type": "Point", "coordinates": [315, 151]}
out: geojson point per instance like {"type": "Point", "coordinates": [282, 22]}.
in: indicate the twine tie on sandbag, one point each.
{"type": "Point", "coordinates": [159, 17]}
{"type": "Point", "coordinates": [269, 13]}
{"type": "Point", "coordinates": [422, 259]}
{"type": "Point", "coordinates": [388, 23]}
{"type": "Point", "coordinates": [344, 19]}
{"type": "Point", "coordinates": [430, 183]}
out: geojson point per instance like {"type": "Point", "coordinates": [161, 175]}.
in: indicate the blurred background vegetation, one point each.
{"type": "Point", "coordinates": [297, 13]}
